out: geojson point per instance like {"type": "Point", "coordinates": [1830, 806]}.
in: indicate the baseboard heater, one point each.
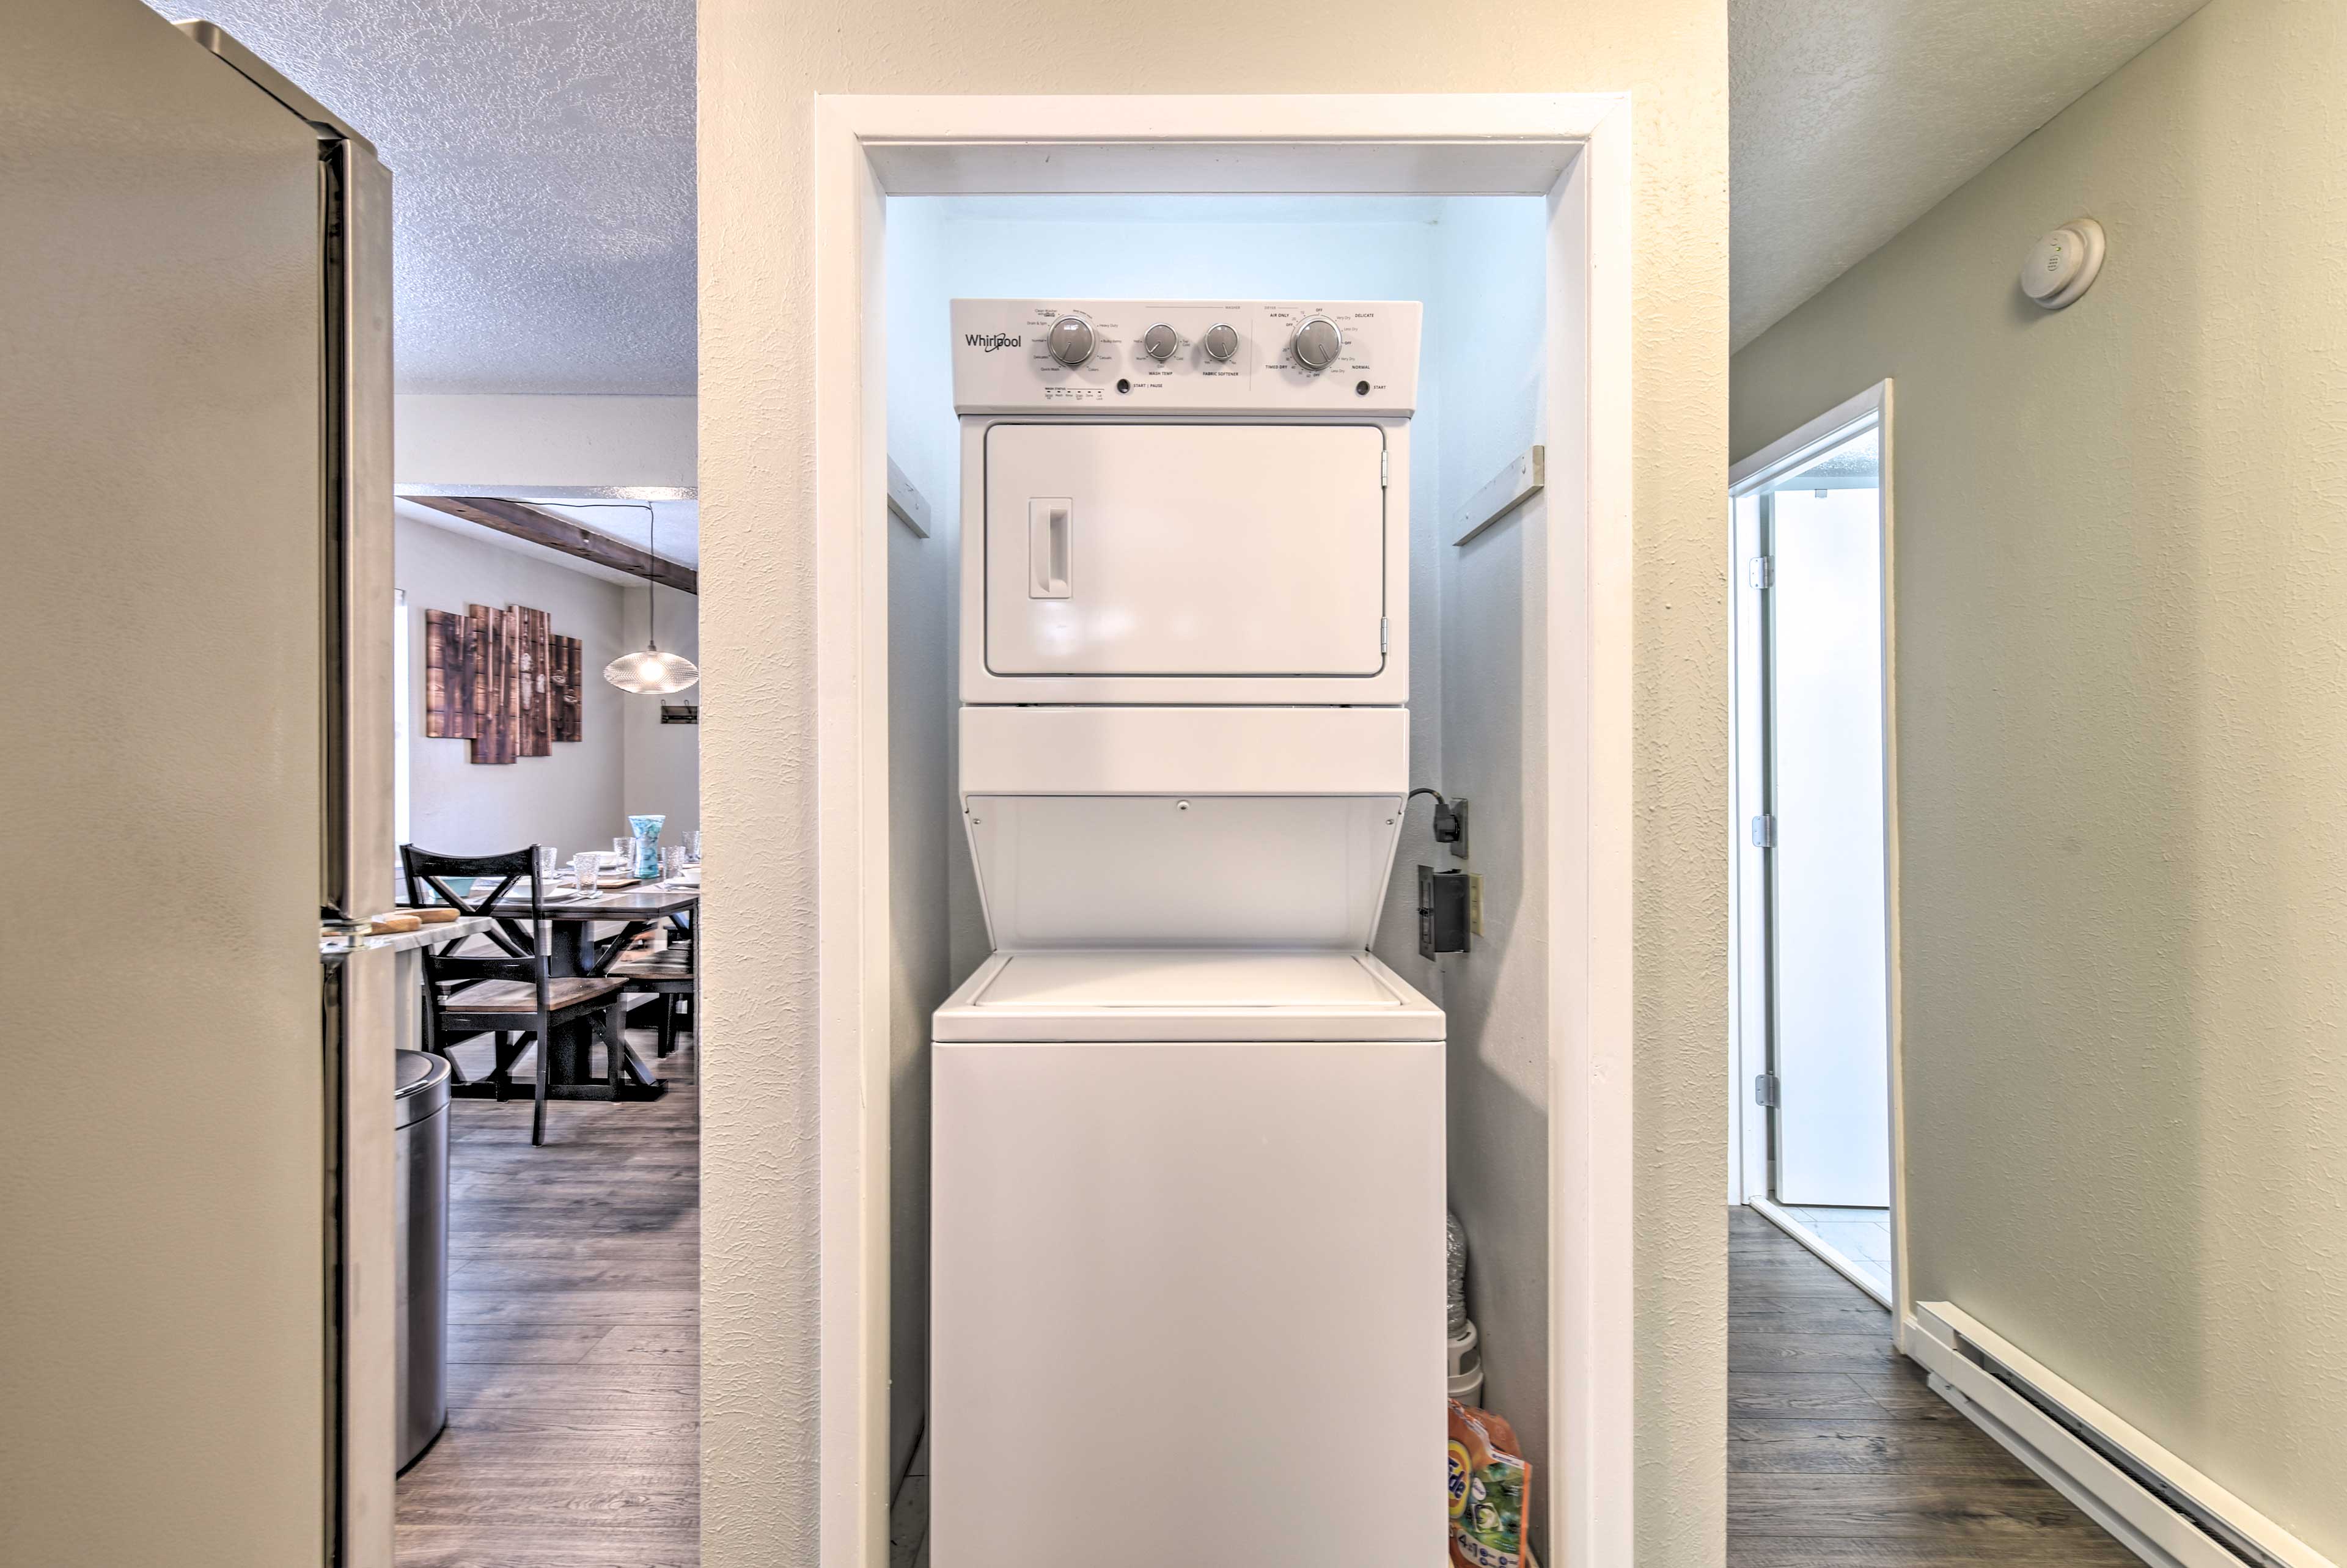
{"type": "Point", "coordinates": [2156, 1505]}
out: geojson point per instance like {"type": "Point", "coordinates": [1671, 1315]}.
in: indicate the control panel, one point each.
{"type": "Point", "coordinates": [1185, 357]}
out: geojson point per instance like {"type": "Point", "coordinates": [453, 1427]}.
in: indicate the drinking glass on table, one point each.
{"type": "Point", "coordinates": [582, 870]}
{"type": "Point", "coordinates": [623, 850]}
{"type": "Point", "coordinates": [550, 861]}
{"type": "Point", "coordinates": [672, 862]}
{"type": "Point", "coordinates": [693, 847]}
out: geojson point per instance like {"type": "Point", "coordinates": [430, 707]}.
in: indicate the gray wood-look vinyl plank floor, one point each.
{"type": "Point", "coordinates": [1838, 1456]}
{"type": "Point", "coordinates": [574, 1419]}
{"type": "Point", "coordinates": [574, 1377]}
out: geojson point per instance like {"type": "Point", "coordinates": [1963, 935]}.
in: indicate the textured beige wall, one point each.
{"type": "Point", "coordinates": [2122, 597]}
{"type": "Point", "coordinates": [761, 62]}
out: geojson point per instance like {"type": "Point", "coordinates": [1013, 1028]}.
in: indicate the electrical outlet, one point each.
{"type": "Point", "coordinates": [1441, 912]}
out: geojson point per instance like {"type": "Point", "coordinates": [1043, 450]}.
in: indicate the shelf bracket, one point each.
{"type": "Point", "coordinates": [1506, 490]}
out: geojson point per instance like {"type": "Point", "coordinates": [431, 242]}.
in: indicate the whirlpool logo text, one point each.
{"type": "Point", "coordinates": [990, 341]}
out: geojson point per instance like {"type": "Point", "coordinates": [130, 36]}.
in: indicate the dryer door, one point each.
{"type": "Point", "coordinates": [1185, 549]}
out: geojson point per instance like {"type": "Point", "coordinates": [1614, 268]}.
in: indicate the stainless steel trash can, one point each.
{"type": "Point", "coordinates": [420, 1119]}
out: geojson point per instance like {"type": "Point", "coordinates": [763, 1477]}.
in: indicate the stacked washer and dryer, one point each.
{"type": "Point", "coordinates": [1187, 1182]}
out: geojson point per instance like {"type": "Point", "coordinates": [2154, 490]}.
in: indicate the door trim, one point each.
{"type": "Point", "coordinates": [1573, 150]}
{"type": "Point", "coordinates": [1748, 1121]}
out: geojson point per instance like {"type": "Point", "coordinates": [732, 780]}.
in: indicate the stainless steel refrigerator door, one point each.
{"type": "Point", "coordinates": [165, 423]}
{"type": "Point", "coordinates": [358, 829]}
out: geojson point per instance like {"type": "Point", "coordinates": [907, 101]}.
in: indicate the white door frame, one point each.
{"type": "Point", "coordinates": [1573, 149]}
{"type": "Point", "coordinates": [1748, 1047]}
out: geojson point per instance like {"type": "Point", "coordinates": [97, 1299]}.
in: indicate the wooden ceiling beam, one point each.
{"type": "Point", "coordinates": [556, 532]}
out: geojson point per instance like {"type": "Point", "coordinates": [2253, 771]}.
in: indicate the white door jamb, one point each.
{"type": "Point", "coordinates": [1575, 150]}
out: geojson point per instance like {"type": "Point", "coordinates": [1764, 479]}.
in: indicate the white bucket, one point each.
{"type": "Point", "coordinates": [1464, 1355]}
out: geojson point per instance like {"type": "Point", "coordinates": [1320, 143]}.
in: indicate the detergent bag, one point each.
{"type": "Point", "coordinates": [1491, 1492]}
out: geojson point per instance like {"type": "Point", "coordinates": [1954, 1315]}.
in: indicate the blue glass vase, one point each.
{"type": "Point", "coordinates": [647, 830]}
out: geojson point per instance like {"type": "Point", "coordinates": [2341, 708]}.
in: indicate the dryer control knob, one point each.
{"type": "Point", "coordinates": [1221, 342]}
{"type": "Point", "coordinates": [1160, 342]}
{"type": "Point", "coordinates": [1318, 343]}
{"type": "Point", "coordinates": [1071, 342]}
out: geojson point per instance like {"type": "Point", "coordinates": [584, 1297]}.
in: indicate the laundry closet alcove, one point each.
{"type": "Point", "coordinates": [1507, 218]}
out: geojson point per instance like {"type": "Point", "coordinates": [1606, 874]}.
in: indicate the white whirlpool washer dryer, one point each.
{"type": "Point", "coordinates": [1187, 1184]}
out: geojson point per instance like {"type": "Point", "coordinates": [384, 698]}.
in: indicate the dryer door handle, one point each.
{"type": "Point", "coordinates": [1050, 525]}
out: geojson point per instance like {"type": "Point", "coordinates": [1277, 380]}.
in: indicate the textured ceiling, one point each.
{"type": "Point", "coordinates": [1851, 120]}
{"type": "Point", "coordinates": [542, 159]}
{"type": "Point", "coordinates": [543, 150]}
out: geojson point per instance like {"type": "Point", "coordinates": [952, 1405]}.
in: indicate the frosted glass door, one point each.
{"type": "Point", "coordinates": [1827, 776]}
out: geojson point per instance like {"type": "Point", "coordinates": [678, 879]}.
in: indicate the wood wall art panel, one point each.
{"type": "Point", "coordinates": [564, 690]}
{"type": "Point", "coordinates": [448, 654]}
{"type": "Point", "coordinates": [501, 680]}
{"type": "Point", "coordinates": [537, 728]}
{"type": "Point", "coordinates": [510, 716]}
{"type": "Point", "coordinates": [499, 716]}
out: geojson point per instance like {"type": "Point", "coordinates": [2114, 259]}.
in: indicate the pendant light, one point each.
{"type": "Point", "coordinates": [652, 670]}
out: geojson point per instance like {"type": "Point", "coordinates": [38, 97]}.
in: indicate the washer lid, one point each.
{"type": "Point", "coordinates": [1190, 994]}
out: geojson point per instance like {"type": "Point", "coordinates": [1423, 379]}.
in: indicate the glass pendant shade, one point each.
{"type": "Point", "coordinates": [652, 670]}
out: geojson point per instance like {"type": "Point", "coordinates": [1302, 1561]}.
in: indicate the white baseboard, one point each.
{"type": "Point", "coordinates": [2172, 1517]}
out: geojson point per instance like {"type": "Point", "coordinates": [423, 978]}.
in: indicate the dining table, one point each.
{"type": "Point", "coordinates": [574, 948]}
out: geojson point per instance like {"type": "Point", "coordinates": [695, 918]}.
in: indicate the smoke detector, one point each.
{"type": "Point", "coordinates": [2064, 264]}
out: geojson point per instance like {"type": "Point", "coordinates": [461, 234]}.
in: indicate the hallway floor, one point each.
{"type": "Point", "coordinates": [1837, 1454]}
{"type": "Point", "coordinates": [574, 1307]}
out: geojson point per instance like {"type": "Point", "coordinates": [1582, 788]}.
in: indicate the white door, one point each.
{"type": "Point", "coordinates": [1184, 550]}
{"type": "Point", "coordinates": [1820, 530]}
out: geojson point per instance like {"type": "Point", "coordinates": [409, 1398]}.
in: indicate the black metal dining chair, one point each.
{"type": "Point", "coordinates": [508, 991]}
{"type": "Point", "coordinates": [669, 974]}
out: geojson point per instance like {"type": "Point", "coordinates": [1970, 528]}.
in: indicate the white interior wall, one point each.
{"type": "Point", "coordinates": [2121, 597]}
{"type": "Point", "coordinates": [1484, 339]}
{"type": "Point", "coordinates": [924, 827]}
{"type": "Point", "coordinates": [465, 439]}
{"type": "Point", "coordinates": [1477, 265]}
{"type": "Point", "coordinates": [629, 761]}
{"type": "Point", "coordinates": [660, 763]}
{"type": "Point", "coordinates": [572, 799]}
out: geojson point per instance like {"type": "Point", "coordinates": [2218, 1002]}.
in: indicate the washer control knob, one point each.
{"type": "Point", "coordinates": [1318, 343]}
{"type": "Point", "coordinates": [1221, 342]}
{"type": "Point", "coordinates": [1071, 342]}
{"type": "Point", "coordinates": [1160, 342]}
